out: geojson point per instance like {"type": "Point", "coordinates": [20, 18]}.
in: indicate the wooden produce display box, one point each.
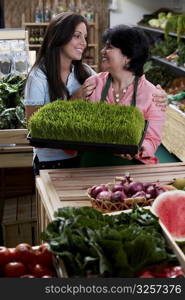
{"type": "Point", "coordinates": [19, 221]}
{"type": "Point", "coordinates": [68, 187]}
{"type": "Point", "coordinates": [15, 150]}
{"type": "Point", "coordinates": [174, 132]}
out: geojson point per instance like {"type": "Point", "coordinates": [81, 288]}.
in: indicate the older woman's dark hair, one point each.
{"type": "Point", "coordinates": [59, 32]}
{"type": "Point", "coordinates": [132, 42]}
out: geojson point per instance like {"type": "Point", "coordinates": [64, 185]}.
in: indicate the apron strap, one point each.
{"type": "Point", "coordinates": [106, 89]}
{"type": "Point", "coordinates": [136, 80]}
{"type": "Point", "coordinates": [107, 86]}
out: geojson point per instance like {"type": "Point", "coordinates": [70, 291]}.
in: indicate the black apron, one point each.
{"type": "Point", "coordinates": [100, 158]}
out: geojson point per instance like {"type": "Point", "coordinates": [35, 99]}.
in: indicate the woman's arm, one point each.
{"type": "Point", "coordinates": [29, 110]}
{"type": "Point", "coordinates": [35, 93]}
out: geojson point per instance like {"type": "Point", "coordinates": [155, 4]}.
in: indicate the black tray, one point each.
{"type": "Point", "coordinates": [87, 146]}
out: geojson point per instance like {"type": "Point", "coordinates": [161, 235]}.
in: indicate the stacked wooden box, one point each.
{"type": "Point", "coordinates": [174, 132]}
{"type": "Point", "coordinates": [19, 221]}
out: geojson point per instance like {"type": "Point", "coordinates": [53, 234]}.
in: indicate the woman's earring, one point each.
{"type": "Point", "coordinates": [127, 65]}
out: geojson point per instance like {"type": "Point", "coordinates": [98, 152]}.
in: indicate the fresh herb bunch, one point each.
{"type": "Point", "coordinates": [85, 121]}
{"type": "Point", "coordinates": [11, 102]}
{"type": "Point", "coordinates": [109, 246]}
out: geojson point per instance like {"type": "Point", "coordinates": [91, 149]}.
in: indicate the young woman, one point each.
{"type": "Point", "coordinates": [59, 73]}
{"type": "Point", "coordinates": [123, 83]}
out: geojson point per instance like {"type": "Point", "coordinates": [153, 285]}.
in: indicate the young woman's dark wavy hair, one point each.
{"type": "Point", "coordinates": [132, 42]}
{"type": "Point", "coordinates": [59, 32]}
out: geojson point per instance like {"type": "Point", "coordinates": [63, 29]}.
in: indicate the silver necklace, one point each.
{"type": "Point", "coordinates": [117, 95]}
{"type": "Point", "coordinates": [122, 92]}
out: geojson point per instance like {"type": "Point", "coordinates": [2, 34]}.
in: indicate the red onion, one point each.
{"type": "Point", "coordinates": [135, 187]}
{"type": "Point", "coordinates": [117, 187]}
{"type": "Point", "coordinates": [118, 196]}
{"type": "Point", "coordinates": [159, 190]}
{"type": "Point", "coordinates": [95, 190]}
{"type": "Point", "coordinates": [151, 190]}
{"type": "Point", "coordinates": [104, 195]}
{"type": "Point", "coordinates": [139, 194]}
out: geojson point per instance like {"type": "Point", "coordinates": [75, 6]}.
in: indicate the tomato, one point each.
{"type": "Point", "coordinates": [146, 274]}
{"type": "Point", "coordinates": [12, 255]}
{"type": "Point", "coordinates": [44, 256]}
{"type": "Point", "coordinates": [14, 269]}
{"type": "Point", "coordinates": [41, 270]}
{"type": "Point", "coordinates": [170, 272]}
{"type": "Point", "coordinates": [4, 255]}
{"type": "Point", "coordinates": [27, 276]}
{"type": "Point", "coordinates": [24, 253]}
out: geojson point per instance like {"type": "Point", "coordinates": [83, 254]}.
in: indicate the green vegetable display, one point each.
{"type": "Point", "coordinates": [11, 102]}
{"type": "Point", "coordinates": [107, 246]}
{"type": "Point", "coordinates": [164, 48]}
{"type": "Point", "coordinates": [84, 121]}
{"type": "Point", "coordinates": [158, 74]}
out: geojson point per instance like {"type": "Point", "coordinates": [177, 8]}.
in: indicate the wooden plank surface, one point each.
{"type": "Point", "coordinates": [14, 136]}
{"type": "Point", "coordinates": [68, 187]}
{"type": "Point", "coordinates": [16, 160]}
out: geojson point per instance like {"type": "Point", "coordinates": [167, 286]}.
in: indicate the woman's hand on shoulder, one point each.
{"type": "Point", "coordinates": [161, 98]}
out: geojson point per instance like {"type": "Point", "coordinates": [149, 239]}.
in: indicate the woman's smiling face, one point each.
{"type": "Point", "coordinates": [76, 46]}
{"type": "Point", "coordinates": [112, 58]}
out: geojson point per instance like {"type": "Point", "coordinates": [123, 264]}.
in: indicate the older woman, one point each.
{"type": "Point", "coordinates": [123, 83]}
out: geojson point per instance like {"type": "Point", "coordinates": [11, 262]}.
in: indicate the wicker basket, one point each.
{"type": "Point", "coordinates": [106, 206]}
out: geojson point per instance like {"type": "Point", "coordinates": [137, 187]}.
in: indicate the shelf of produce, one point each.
{"type": "Point", "coordinates": [15, 150]}
{"type": "Point", "coordinates": [32, 24]}
{"type": "Point", "coordinates": [177, 69]}
{"type": "Point", "coordinates": [68, 187]}
{"type": "Point", "coordinates": [174, 132]}
{"type": "Point", "coordinates": [158, 30]}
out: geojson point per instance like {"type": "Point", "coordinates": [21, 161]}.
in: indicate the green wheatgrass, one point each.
{"type": "Point", "coordinates": [85, 121]}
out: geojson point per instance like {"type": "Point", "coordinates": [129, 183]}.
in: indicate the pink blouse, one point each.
{"type": "Point", "coordinates": [153, 113]}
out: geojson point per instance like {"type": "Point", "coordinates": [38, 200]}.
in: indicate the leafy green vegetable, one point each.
{"type": "Point", "coordinates": [158, 74]}
{"type": "Point", "coordinates": [11, 102]}
{"type": "Point", "coordinates": [164, 48]}
{"type": "Point", "coordinates": [106, 246]}
{"type": "Point", "coordinates": [84, 121]}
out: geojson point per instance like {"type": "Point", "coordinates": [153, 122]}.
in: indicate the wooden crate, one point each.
{"type": "Point", "coordinates": [68, 187]}
{"type": "Point", "coordinates": [174, 132]}
{"type": "Point", "coordinates": [19, 221]}
{"type": "Point", "coordinates": [15, 150]}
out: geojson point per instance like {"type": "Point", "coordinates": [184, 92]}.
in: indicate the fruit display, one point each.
{"type": "Point", "coordinates": [170, 208]}
{"type": "Point", "coordinates": [26, 261]}
{"type": "Point", "coordinates": [124, 193]}
{"type": "Point", "coordinates": [127, 244]}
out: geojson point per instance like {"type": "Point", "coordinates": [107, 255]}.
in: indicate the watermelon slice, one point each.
{"type": "Point", "coordinates": [170, 208]}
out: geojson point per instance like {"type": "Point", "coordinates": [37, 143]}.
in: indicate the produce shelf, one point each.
{"type": "Point", "coordinates": [157, 30]}
{"type": "Point", "coordinates": [177, 69]}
